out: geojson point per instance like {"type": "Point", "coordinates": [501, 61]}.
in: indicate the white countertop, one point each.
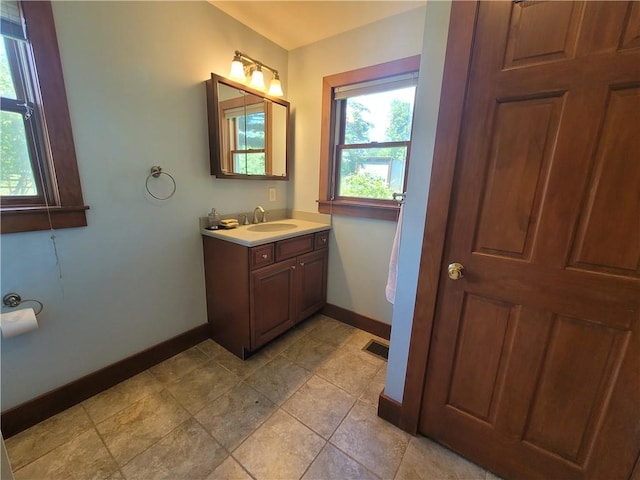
{"type": "Point", "coordinates": [245, 235]}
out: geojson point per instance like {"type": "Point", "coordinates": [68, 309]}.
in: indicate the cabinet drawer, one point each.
{"type": "Point", "coordinates": [293, 247]}
{"type": "Point", "coordinates": [261, 256]}
{"type": "Point", "coordinates": [322, 239]}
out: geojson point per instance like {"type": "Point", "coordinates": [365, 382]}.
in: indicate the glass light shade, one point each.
{"type": "Point", "coordinates": [275, 88]}
{"type": "Point", "coordinates": [257, 79]}
{"type": "Point", "coordinates": [237, 70]}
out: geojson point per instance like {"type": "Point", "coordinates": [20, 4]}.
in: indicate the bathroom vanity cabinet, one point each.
{"type": "Point", "coordinates": [255, 294]}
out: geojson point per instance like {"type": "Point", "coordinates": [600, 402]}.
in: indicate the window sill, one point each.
{"type": "Point", "coordinates": [374, 210]}
{"type": "Point", "coordinates": [30, 219]}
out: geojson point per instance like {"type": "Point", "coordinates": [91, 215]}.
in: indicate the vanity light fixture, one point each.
{"type": "Point", "coordinates": [243, 66]}
{"type": "Point", "coordinates": [257, 78]}
{"type": "Point", "coordinates": [237, 68]}
{"type": "Point", "coordinates": [275, 88]}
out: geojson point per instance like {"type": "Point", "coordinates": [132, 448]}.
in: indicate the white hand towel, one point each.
{"type": "Point", "coordinates": [392, 279]}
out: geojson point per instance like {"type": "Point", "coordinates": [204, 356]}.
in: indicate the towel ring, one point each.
{"type": "Point", "coordinates": [156, 171]}
{"type": "Point", "coordinates": [12, 300]}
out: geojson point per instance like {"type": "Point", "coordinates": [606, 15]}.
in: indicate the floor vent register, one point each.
{"type": "Point", "coordinates": [378, 349]}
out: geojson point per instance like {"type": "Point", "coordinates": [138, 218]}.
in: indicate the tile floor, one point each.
{"type": "Point", "coordinates": [304, 407]}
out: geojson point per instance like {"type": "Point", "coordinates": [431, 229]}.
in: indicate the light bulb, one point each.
{"type": "Point", "coordinates": [257, 78]}
{"type": "Point", "coordinates": [275, 88]}
{"type": "Point", "coordinates": [237, 69]}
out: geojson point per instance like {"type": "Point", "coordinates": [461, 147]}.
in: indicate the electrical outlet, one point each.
{"type": "Point", "coordinates": [272, 194]}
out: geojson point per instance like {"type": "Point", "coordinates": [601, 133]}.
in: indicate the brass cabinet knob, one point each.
{"type": "Point", "coordinates": [455, 271]}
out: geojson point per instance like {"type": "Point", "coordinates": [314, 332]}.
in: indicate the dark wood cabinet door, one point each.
{"type": "Point", "coordinates": [534, 366]}
{"type": "Point", "coordinates": [227, 294]}
{"type": "Point", "coordinates": [311, 283]}
{"type": "Point", "coordinates": [272, 301]}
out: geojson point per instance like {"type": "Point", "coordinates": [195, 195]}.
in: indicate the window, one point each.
{"type": "Point", "coordinates": [39, 181]}
{"type": "Point", "coordinates": [245, 132]}
{"type": "Point", "coordinates": [366, 138]}
{"type": "Point", "coordinates": [21, 182]}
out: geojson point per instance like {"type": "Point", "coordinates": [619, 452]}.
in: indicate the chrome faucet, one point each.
{"type": "Point", "coordinates": [255, 214]}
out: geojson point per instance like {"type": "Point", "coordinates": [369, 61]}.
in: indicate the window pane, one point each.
{"type": "Point", "coordinates": [249, 163]}
{"type": "Point", "coordinates": [7, 89]}
{"type": "Point", "coordinates": [372, 172]}
{"type": "Point", "coordinates": [16, 174]}
{"type": "Point", "coordinates": [251, 131]}
{"type": "Point", "coordinates": [380, 117]}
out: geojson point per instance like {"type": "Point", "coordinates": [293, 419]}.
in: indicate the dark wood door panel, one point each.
{"type": "Point", "coordinates": [510, 200]}
{"type": "Point", "coordinates": [537, 383]}
{"type": "Point", "coordinates": [603, 26]}
{"type": "Point", "coordinates": [482, 339]}
{"type": "Point", "coordinates": [535, 358]}
{"type": "Point", "coordinates": [631, 32]}
{"type": "Point", "coordinates": [272, 301]}
{"type": "Point", "coordinates": [520, 463]}
{"type": "Point", "coordinates": [311, 283]}
{"type": "Point", "coordinates": [606, 239]}
{"type": "Point", "coordinates": [619, 432]}
{"type": "Point", "coordinates": [523, 134]}
{"type": "Point", "coordinates": [542, 32]}
{"type": "Point", "coordinates": [579, 367]}
{"type": "Point", "coordinates": [532, 328]}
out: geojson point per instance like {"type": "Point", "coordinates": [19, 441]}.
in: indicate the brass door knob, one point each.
{"type": "Point", "coordinates": [455, 271]}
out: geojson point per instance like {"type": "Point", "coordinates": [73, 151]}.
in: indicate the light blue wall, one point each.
{"type": "Point", "coordinates": [422, 144]}
{"type": "Point", "coordinates": [360, 248]}
{"type": "Point", "coordinates": [134, 73]}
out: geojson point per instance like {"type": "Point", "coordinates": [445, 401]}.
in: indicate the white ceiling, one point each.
{"type": "Point", "coordinates": [292, 24]}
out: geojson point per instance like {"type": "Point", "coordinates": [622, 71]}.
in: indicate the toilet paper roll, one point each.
{"type": "Point", "coordinates": [18, 322]}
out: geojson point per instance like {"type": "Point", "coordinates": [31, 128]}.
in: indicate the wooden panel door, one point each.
{"type": "Point", "coordinates": [311, 282]}
{"type": "Point", "coordinates": [272, 301]}
{"type": "Point", "coordinates": [534, 366]}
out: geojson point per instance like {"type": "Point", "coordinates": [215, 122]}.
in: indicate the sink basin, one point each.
{"type": "Point", "coordinates": [271, 227]}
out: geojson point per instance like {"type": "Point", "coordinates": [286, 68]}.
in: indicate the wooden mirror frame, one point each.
{"type": "Point", "coordinates": [215, 128]}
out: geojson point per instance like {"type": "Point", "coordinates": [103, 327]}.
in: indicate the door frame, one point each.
{"type": "Point", "coordinates": [454, 91]}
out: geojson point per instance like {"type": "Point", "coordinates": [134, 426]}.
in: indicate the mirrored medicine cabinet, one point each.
{"type": "Point", "coordinates": [248, 132]}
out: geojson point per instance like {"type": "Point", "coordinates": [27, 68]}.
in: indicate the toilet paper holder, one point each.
{"type": "Point", "coordinates": [12, 300]}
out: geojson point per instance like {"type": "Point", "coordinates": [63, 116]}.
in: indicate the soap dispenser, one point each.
{"type": "Point", "coordinates": [214, 220]}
